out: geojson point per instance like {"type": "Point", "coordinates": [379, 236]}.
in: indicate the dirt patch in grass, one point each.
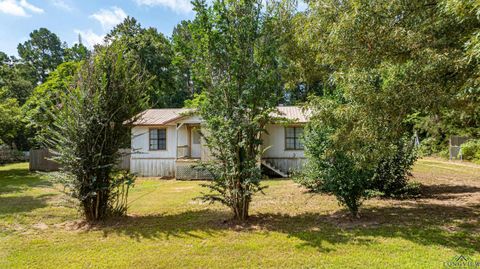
{"type": "Point", "coordinates": [75, 225]}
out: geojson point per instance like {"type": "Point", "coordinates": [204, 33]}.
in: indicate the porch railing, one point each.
{"type": "Point", "coordinates": [183, 151]}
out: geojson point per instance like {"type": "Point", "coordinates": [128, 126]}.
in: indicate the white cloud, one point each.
{"type": "Point", "coordinates": [18, 8]}
{"type": "Point", "coordinates": [12, 8]}
{"type": "Point", "coordinates": [109, 17]}
{"type": "Point", "coordinates": [30, 7]}
{"type": "Point", "coordinates": [181, 6]}
{"type": "Point", "coordinates": [62, 4]}
{"type": "Point", "coordinates": [89, 38]}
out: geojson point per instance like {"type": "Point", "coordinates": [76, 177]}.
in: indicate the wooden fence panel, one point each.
{"type": "Point", "coordinates": [40, 160]}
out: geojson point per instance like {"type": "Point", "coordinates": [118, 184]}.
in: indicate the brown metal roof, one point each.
{"type": "Point", "coordinates": [160, 116]}
{"type": "Point", "coordinates": [292, 113]}
{"type": "Point", "coordinates": [168, 115]}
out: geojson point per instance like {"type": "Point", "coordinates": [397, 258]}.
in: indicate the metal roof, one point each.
{"type": "Point", "coordinates": [169, 115]}
{"type": "Point", "coordinates": [292, 113]}
{"type": "Point", "coordinates": [160, 116]}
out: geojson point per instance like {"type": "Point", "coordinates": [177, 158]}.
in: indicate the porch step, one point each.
{"type": "Point", "coordinates": [273, 168]}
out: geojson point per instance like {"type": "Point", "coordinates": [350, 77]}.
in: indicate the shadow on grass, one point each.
{"type": "Point", "coordinates": [425, 224]}
{"type": "Point", "coordinates": [445, 191]}
{"type": "Point", "coordinates": [20, 204]}
{"type": "Point", "coordinates": [16, 180]}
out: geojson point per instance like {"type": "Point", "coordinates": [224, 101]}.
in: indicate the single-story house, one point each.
{"type": "Point", "coordinates": [167, 143]}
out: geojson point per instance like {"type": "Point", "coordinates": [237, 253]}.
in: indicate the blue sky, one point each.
{"type": "Point", "coordinates": [90, 18]}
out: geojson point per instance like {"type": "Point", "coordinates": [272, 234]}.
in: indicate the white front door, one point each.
{"type": "Point", "coordinates": [196, 147]}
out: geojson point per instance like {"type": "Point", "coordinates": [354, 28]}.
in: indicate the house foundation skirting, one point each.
{"type": "Point", "coordinates": [188, 169]}
{"type": "Point", "coordinates": [151, 167]}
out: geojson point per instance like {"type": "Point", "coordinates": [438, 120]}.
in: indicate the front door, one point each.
{"type": "Point", "coordinates": [196, 147]}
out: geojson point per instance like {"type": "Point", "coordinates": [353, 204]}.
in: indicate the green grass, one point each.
{"type": "Point", "coordinates": [168, 228]}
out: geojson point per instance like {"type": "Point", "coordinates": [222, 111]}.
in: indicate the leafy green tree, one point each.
{"type": "Point", "coordinates": [16, 78]}
{"type": "Point", "coordinates": [45, 101]}
{"type": "Point", "coordinates": [182, 45]}
{"type": "Point", "coordinates": [464, 119]}
{"type": "Point", "coordinates": [391, 178]}
{"type": "Point", "coordinates": [17, 81]}
{"type": "Point", "coordinates": [90, 127]}
{"type": "Point", "coordinates": [237, 69]}
{"type": "Point", "coordinates": [4, 57]}
{"type": "Point", "coordinates": [156, 56]}
{"type": "Point", "coordinates": [4, 70]}
{"type": "Point", "coordinates": [342, 153]}
{"type": "Point", "coordinates": [78, 52]}
{"type": "Point", "coordinates": [10, 119]}
{"type": "Point", "coordinates": [43, 51]}
{"type": "Point", "coordinates": [412, 57]}
{"type": "Point", "coordinates": [21, 82]}
{"type": "Point", "coordinates": [301, 73]}
{"type": "Point", "coordinates": [395, 66]}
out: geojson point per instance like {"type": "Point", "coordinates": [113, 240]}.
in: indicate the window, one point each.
{"type": "Point", "coordinates": [158, 139]}
{"type": "Point", "coordinates": [293, 138]}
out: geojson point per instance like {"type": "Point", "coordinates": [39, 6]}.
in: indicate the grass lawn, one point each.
{"type": "Point", "coordinates": [167, 228]}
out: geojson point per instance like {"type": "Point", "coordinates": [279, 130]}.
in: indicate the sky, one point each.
{"type": "Point", "coordinates": [92, 19]}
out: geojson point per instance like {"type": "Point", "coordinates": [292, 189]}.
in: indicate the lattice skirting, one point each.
{"type": "Point", "coordinates": [188, 171]}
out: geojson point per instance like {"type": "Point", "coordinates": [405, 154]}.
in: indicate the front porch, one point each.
{"type": "Point", "coordinates": [188, 141]}
{"type": "Point", "coordinates": [189, 152]}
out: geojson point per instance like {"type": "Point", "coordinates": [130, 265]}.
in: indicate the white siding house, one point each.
{"type": "Point", "coordinates": [166, 143]}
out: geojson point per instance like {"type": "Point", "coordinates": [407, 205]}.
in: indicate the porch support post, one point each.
{"type": "Point", "coordinates": [189, 137]}
{"type": "Point", "coordinates": [176, 139]}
